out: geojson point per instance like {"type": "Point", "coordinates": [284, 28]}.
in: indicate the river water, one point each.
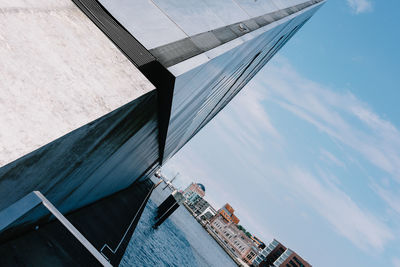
{"type": "Point", "coordinates": [179, 241]}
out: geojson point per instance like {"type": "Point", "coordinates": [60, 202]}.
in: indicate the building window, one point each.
{"type": "Point", "coordinates": [292, 263]}
{"type": "Point", "coordinates": [298, 261]}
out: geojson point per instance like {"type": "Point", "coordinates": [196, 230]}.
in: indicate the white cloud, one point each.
{"type": "Point", "coordinates": [396, 262]}
{"type": "Point", "coordinates": [349, 122]}
{"type": "Point", "coordinates": [331, 158]}
{"type": "Point", "coordinates": [341, 116]}
{"type": "Point", "coordinates": [390, 197]}
{"type": "Point", "coordinates": [247, 117]}
{"type": "Point", "coordinates": [248, 132]}
{"type": "Point", "coordinates": [349, 220]}
{"type": "Point", "coordinates": [188, 168]}
{"type": "Point", "coordinates": [360, 6]}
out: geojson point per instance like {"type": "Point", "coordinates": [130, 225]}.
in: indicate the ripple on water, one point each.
{"type": "Point", "coordinates": [179, 241]}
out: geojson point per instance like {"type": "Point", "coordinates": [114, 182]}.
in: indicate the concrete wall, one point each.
{"type": "Point", "coordinates": [94, 161]}
{"type": "Point", "coordinates": [58, 72]}
{"type": "Point", "coordinates": [78, 120]}
{"type": "Point", "coordinates": [159, 22]}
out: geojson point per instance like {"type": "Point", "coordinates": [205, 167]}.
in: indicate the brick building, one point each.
{"type": "Point", "coordinates": [277, 255]}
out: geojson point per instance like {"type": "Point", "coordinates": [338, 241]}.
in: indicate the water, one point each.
{"type": "Point", "coordinates": [179, 241]}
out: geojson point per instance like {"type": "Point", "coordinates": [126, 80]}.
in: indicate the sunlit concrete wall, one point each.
{"type": "Point", "coordinates": [58, 72]}
{"type": "Point", "coordinates": [78, 121]}
{"type": "Point", "coordinates": [158, 22]}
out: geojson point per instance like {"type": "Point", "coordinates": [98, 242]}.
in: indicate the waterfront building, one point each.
{"type": "Point", "coordinates": [194, 188]}
{"type": "Point", "coordinates": [290, 258]}
{"type": "Point", "coordinates": [192, 198]}
{"type": "Point", "coordinates": [277, 255]}
{"type": "Point", "coordinates": [227, 212]}
{"type": "Point", "coordinates": [251, 255]}
{"type": "Point", "coordinates": [232, 237]}
{"type": "Point", "coordinates": [260, 244]}
{"type": "Point", "coordinates": [269, 254]}
{"type": "Point", "coordinates": [194, 195]}
{"type": "Point", "coordinates": [198, 206]}
{"type": "Point", "coordinates": [96, 103]}
{"type": "Point", "coordinates": [208, 213]}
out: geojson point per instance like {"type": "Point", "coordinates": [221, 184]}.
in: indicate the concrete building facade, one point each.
{"type": "Point", "coordinates": [97, 94]}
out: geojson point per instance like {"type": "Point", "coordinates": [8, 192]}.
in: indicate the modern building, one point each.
{"type": "Point", "coordinates": [269, 254]}
{"type": "Point", "coordinates": [194, 195]}
{"type": "Point", "coordinates": [290, 258]}
{"type": "Point", "coordinates": [97, 95]}
{"type": "Point", "coordinates": [208, 213]}
{"type": "Point", "coordinates": [198, 206]}
{"type": "Point", "coordinates": [192, 198]}
{"type": "Point", "coordinates": [277, 255]}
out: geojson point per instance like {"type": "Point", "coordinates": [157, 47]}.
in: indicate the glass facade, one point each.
{"type": "Point", "coordinates": [265, 252]}
{"type": "Point", "coordinates": [283, 257]}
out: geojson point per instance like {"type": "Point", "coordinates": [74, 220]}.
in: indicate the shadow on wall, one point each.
{"type": "Point", "coordinates": [87, 164]}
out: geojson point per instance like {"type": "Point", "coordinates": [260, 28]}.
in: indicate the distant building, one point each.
{"type": "Point", "coordinates": [192, 197]}
{"type": "Point", "coordinates": [197, 204]}
{"type": "Point", "coordinates": [194, 189]}
{"type": "Point", "coordinates": [260, 244]}
{"type": "Point", "coordinates": [200, 206]}
{"type": "Point", "coordinates": [290, 258]}
{"type": "Point", "coordinates": [233, 238]}
{"type": "Point", "coordinates": [194, 194]}
{"type": "Point", "coordinates": [269, 254]}
{"type": "Point", "coordinates": [277, 255]}
{"type": "Point", "coordinates": [251, 255]}
{"type": "Point", "coordinates": [227, 212]}
{"type": "Point", "coordinates": [208, 213]}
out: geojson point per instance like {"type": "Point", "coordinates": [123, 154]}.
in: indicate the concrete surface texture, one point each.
{"type": "Point", "coordinates": [58, 72]}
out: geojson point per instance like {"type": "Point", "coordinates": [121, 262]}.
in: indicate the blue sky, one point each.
{"type": "Point", "coordinates": [309, 151]}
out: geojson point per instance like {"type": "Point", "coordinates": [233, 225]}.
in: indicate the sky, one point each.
{"type": "Point", "coordinates": [309, 151]}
